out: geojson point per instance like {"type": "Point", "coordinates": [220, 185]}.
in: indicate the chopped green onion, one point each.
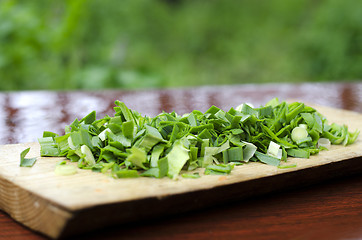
{"type": "Point", "coordinates": [220, 169]}
{"type": "Point", "coordinates": [89, 158]}
{"type": "Point", "coordinates": [48, 147]}
{"type": "Point", "coordinates": [137, 157]}
{"type": "Point", "coordinates": [249, 151]}
{"type": "Point", "coordinates": [126, 173]}
{"type": "Point", "coordinates": [298, 153]}
{"type": "Point", "coordinates": [176, 159]}
{"type": "Point", "coordinates": [270, 160]}
{"type": "Point", "coordinates": [287, 166]}
{"type": "Point", "coordinates": [190, 175]}
{"type": "Point", "coordinates": [131, 145]}
{"type": "Point", "coordinates": [26, 162]}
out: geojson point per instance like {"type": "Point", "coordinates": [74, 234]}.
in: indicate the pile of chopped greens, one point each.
{"type": "Point", "coordinates": [131, 145]}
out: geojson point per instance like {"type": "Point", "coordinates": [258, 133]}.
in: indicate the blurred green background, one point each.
{"type": "Point", "coordinates": [127, 44]}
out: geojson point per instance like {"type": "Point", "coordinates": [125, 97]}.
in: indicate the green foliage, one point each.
{"type": "Point", "coordinates": [78, 44]}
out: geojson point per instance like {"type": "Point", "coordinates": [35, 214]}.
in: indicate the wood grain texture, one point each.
{"type": "Point", "coordinates": [330, 210]}
{"type": "Point", "coordinates": [62, 206]}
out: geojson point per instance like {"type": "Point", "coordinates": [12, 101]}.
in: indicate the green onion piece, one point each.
{"type": "Point", "coordinates": [162, 165]}
{"type": "Point", "coordinates": [192, 120]}
{"type": "Point", "coordinates": [156, 153]}
{"type": "Point", "coordinates": [309, 119]}
{"type": "Point", "coordinates": [313, 151]}
{"type": "Point", "coordinates": [89, 158]}
{"type": "Point", "coordinates": [137, 157]}
{"type": "Point", "coordinates": [49, 134]}
{"type": "Point", "coordinates": [220, 169]}
{"type": "Point", "coordinates": [235, 154]}
{"type": "Point", "coordinates": [191, 175]}
{"type": "Point", "coordinates": [210, 152]}
{"type": "Point", "coordinates": [193, 153]}
{"type": "Point", "coordinates": [125, 173]}
{"type": "Point", "coordinates": [115, 128]}
{"type": "Point", "coordinates": [249, 151]}
{"type": "Point", "coordinates": [298, 153]}
{"type": "Point", "coordinates": [303, 140]}
{"type": "Point", "coordinates": [198, 129]}
{"type": "Point", "coordinates": [176, 159]}
{"type": "Point", "coordinates": [90, 118]}
{"type": "Point", "coordinates": [106, 166]}
{"type": "Point", "coordinates": [248, 109]}
{"type": "Point", "coordinates": [212, 110]}
{"type": "Point", "coordinates": [287, 166]}
{"type": "Point", "coordinates": [273, 103]}
{"type": "Point", "coordinates": [63, 145]}
{"type": "Point", "coordinates": [74, 155]}
{"type": "Point", "coordinates": [352, 137]}
{"type": "Point", "coordinates": [322, 148]}
{"type": "Point", "coordinates": [48, 147]}
{"type": "Point", "coordinates": [298, 109]}
{"type": "Point", "coordinates": [71, 144]}
{"type": "Point", "coordinates": [81, 137]}
{"type": "Point", "coordinates": [124, 111]}
{"type": "Point", "coordinates": [318, 124]}
{"type": "Point", "coordinates": [26, 162]}
{"type": "Point", "coordinates": [152, 172]}
{"type": "Point", "coordinates": [267, 159]}
{"type": "Point", "coordinates": [128, 129]}
{"type": "Point", "coordinates": [152, 137]}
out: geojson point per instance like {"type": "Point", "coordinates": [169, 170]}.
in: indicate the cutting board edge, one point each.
{"type": "Point", "coordinates": [204, 198]}
{"type": "Point", "coordinates": [67, 219]}
{"type": "Point", "coordinates": [353, 152]}
{"type": "Point", "coordinates": [33, 211]}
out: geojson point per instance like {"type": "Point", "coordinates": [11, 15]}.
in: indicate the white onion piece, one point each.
{"type": "Point", "coordinates": [70, 143]}
{"type": "Point", "coordinates": [280, 154]}
{"type": "Point", "coordinates": [88, 155]}
{"type": "Point", "coordinates": [273, 149]}
{"type": "Point", "coordinates": [103, 135]}
{"type": "Point", "coordinates": [324, 142]}
{"type": "Point", "coordinates": [299, 133]}
{"type": "Point", "coordinates": [240, 107]}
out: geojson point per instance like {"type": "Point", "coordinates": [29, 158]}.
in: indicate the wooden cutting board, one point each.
{"type": "Point", "coordinates": [60, 206]}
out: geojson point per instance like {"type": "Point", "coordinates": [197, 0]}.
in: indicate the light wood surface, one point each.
{"type": "Point", "coordinates": [59, 206]}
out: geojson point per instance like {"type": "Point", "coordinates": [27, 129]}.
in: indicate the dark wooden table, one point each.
{"type": "Point", "coordinates": [328, 210]}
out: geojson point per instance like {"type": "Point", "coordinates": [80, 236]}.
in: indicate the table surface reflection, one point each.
{"type": "Point", "coordinates": [330, 210]}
